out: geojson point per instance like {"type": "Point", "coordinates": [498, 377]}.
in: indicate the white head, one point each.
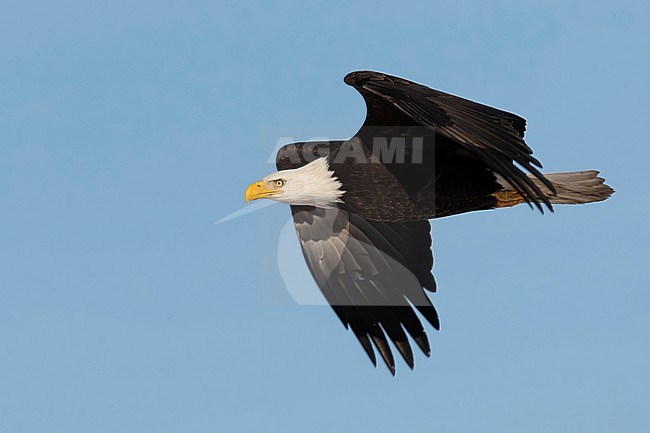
{"type": "Point", "coordinates": [313, 184]}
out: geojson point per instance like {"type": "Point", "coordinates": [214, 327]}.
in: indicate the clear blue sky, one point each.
{"type": "Point", "coordinates": [128, 128]}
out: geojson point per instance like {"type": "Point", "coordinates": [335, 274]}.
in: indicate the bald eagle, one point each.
{"type": "Point", "coordinates": [362, 206]}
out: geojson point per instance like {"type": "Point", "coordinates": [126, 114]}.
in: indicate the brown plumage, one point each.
{"type": "Point", "coordinates": [370, 253]}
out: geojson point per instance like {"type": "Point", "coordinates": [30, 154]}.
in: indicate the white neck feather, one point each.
{"type": "Point", "coordinates": [313, 184]}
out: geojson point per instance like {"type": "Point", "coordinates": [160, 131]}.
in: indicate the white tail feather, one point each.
{"type": "Point", "coordinates": [576, 187]}
{"type": "Point", "coordinates": [573, 187]}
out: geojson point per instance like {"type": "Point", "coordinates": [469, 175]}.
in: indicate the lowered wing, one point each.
{"type": "Point", "coordinates": [373, 274]}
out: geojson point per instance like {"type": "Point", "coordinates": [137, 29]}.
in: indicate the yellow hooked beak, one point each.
{"type": "Point", "coordinates": [258, 190]}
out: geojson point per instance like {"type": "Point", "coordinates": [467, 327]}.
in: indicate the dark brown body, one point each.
{"type": "Point", "coordinates": [443, 183]}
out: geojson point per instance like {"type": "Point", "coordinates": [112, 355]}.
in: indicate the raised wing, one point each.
{"type": "Point", "coordinates": [492, 136]}
{"type": "Point", "coordinates": [372, 274]}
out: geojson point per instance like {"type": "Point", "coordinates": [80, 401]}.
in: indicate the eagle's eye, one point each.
{"type": "Point", "coordinates": [279, 183]}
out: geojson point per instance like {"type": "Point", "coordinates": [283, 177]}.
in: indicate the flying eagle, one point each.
{"type": "Point", "coordinates": [361, 207]}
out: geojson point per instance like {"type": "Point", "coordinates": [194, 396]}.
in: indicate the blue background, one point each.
{"type": "Point", "coordinates": [128, 128]}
